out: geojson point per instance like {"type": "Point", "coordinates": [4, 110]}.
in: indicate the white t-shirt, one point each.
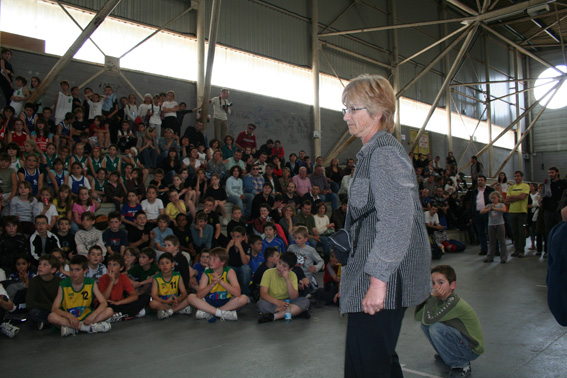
{"type": "Point", "coordinates": [64, 106]}
{"type": "Point", "coordinates": [155, 119]}
{"type": "Point", "coordinates": [170, 105]}
{"type": "Point", "coordinates": [95, 108]}
{"type": "Point", "coordinates": [218, 110]}
{"type": "Point", "coordinates": [50, 213]}
{"type": "Point", "coordinates": [431, 219]}
{"type": "Point", "coordinates": [152, 209]}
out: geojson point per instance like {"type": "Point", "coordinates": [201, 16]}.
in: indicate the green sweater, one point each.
{"type": "Point", "coordinates": [453, 312]}
{"type": "Point", "coordinates": [41, 294]}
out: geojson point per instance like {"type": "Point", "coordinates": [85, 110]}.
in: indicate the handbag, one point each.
{"type": "Point", "coordinates": [342, 243]}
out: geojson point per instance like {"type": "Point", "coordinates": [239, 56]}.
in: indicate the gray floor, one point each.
{"type": "Point", "coordinates": [521, 338]}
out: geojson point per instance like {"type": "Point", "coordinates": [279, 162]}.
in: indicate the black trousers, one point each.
{"type": "Point", "coordinates": [133, 308]}
{"type": "Point", "coordinates": [371, 344]}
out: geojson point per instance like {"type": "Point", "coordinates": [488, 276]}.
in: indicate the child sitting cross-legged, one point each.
{"type": "Point", "coordinates": [450, 324]}
{"type": "Point", "coordinates": [72, 309]}
{"type": "Point", "coordinates": [271, 257]}
{"type": "Point", "coordinates": [119, 292]}
{"type": "Point", "coordinates": [168, 290]}
{"type": "Point", "coordinates": [142, 275]}
{"type": "Point", "coordinates": [277, 285]}
{"type": "Point", "coordinates": [42, 290]}
{"type": "Point", "coordinates": [219, 292]}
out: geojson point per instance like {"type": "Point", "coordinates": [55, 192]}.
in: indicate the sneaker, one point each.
{"type": "Point", "coordinates": [185, 311]}
{"type": "Point", "coordinates": [265, 317]}
{"type": "Point", "coordinates": [162, 314]}
{"type": "Point", "coordinates": [9, 330]}
{"type": "Point", "coordinates": [141, 314]}
{"type": "Point", "coordinates": [488, 260]}
{"type": "Point", "coordinates": [228, 315]}
{"type": "Point", "coordinates": [100, 327]}
{"type": "Point", "coordinates": [66, 331]}
{"type": "Point", "coordinates": [482, 253]}
{"type": "Point", "coordinates": [460, 372]}
{"type": "Point", "coordinates": [117, 317]}
{"type": "Point", "coordinates": [203, 315]}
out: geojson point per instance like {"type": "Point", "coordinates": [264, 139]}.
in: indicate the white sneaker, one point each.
{"type": "Point", "coordinates": [162, 314]}
{"type": "Point", "coordinates": [185, 311]}
{"type": "Point", "coordinates": [229, 315]}
{"type": "Point", "coordinates": [100, 327]}
{"type": "Point", "coordinates": [117, 317]}
{"type": "Point", "coordinates": [66, 331]}
{"type": "Point", "coordinates": [9, 330]}
{"type": "Point", "coordinates": [203, 315]}
{"type": "Point", "coordinates": [142, 313]}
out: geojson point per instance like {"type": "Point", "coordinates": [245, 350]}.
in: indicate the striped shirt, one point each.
{"type": "Point", "coordinates": [392, 245]}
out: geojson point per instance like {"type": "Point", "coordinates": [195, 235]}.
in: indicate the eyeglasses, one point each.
{"type": "Point", "coordinates": [351, 110]}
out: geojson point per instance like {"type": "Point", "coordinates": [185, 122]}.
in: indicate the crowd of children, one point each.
{"type": "Point", "coordinates": [163, 248]}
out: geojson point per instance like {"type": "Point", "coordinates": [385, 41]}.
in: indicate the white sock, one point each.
{"type": "Point", "coordinates": [218, 313]}
{"type": "Point", "coordinates": [85, 328]}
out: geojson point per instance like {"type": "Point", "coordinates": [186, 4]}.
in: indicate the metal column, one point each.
{"type": "Point", "coordinates": [215, 15]}
{"type": "Point", "coordinates": [201, 50]}
{"type": "Point", "coordinates": [488, 103]}
{"type": "Point", "coordinates": [315, 72]}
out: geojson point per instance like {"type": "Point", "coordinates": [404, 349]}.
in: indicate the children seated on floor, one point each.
{"type": "Point", "coordinates": [450, 324]}
{"type": "Point", "coordinates": [73, 308]}
{"type": "Point", "coordinates": [219, 293]}
{"type": "Point", "coordinates": [169, 295]}
{"type": "Point", "coordinates": [277, 285]}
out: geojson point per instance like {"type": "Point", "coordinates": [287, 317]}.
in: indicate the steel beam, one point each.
{"type": "Point", "coordinates": [521, 49]}
{"type": "Point", "coordinates": [315, 77]}
{"type": "Point", "coordinates": [157, 31]}
{"type": "Point", "coordinates": [106, 9]}
{"type": "Point", "coordinates": [357, 55]}
{"type": "Point", "coordinates": [400, 26]}
{"type": "Point", "coordinates": [446, 82]}
{"type": "Point", "coordinates": [528, 130]}
{"type": "Point", "coordinates": [488, 102]}
{"type": "Point", "coordinates": [516, 121]}
{"type": "Point", "coordinates": [432, 64]}
{"type": "Point", "coordinates": [213, 31]}
{"type": "Point", "coordinates": [201, 24]}
{"type": "Point", "coordinates": [78, 25]}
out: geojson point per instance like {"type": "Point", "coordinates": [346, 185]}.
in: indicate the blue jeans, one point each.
{"type": "Point", "coordinates": [248, 201]}
{"type": "Point", "coordinates": [332, 197]}
{"type": "Point", "coordinates": [451, 345]}
{"type": "Point", "coordinates": [244, 275]}
{"type": "Point", "coordinates": [481, 223]}
{"type": "Point", "coordinates": [326, 244]}
{"type": "Point", "coordinates": [149, 158]}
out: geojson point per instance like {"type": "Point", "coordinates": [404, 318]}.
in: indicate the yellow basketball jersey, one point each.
{"type": "Point", "coordinates": [168, 289]}
{"type": "Point", "coordinates": [78, 302]}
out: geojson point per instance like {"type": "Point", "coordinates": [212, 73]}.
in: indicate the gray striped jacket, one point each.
{"type": "Point", "coordinates": [392, 244]}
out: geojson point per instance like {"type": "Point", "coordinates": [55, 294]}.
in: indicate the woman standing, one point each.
{"type": "Point", "coordinates": [388, 268]}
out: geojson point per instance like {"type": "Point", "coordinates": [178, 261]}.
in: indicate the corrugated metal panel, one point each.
{"type": "Point", "coordinates": [155, 13]}
{"type": "Point", "coordinates": [550, 132]}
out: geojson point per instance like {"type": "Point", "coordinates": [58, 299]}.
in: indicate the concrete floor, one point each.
{"type": "Point", "coordinates": [521, 338]}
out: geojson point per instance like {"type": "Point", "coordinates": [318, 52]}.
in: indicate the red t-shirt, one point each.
{"type": "Point", "coordinates": [123, 286]}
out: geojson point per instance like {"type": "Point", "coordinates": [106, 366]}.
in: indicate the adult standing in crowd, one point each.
{"type": "Point", "coordinates": [388, 269]}
{"type": "Point", "coordinates": [552, 191]}
{"type": "Point", "coordinates": [480, 198]}
{"type": "Point", "coordinates": [221, 110]}
{"type": "Point", "coordinates": [7, 75]}
{"type": "Point", "coordinates": [517, 198]}
{"type": "Point", "coordinates": [477, 169]}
